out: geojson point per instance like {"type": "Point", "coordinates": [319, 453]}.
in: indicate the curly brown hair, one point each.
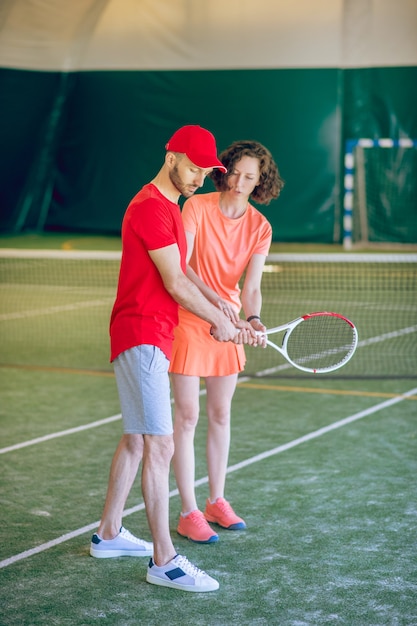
{"type": "Point", "coordinates": [270, 182]}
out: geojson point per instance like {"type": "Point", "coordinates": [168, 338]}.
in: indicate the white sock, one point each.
{"type": "Point", "coordinates": [188, 512]}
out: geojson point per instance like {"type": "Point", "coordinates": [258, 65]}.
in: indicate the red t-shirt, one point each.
{"type": "Point", "coordinates": [144, 312]}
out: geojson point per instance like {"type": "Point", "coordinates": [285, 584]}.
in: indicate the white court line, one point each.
{"type": "Point", "coordinates": [392, 335]}
{"type": "Point", "coordinates": [61, 433]}
{"type": "Point", "coordinates": [271, 370]}
{"type": "Point", "coordinates": [233, 468]}
{"type": "Point", "coordinates": [77, 429]}
{"type": "Point", "coordinates": [73, 306]}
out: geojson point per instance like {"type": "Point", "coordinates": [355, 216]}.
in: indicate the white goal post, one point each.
{"type": "Point", "coordinates": [355, 201]}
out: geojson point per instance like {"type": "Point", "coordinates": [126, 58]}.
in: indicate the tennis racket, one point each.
{"type": "Point", "coordinates": [317, 342]}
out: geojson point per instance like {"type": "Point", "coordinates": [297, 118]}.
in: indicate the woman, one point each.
{"type": "Point", "coordinates": [226, 237]}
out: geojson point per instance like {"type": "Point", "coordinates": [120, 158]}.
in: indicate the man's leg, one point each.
{"type": "Point", "coordinates": [157, 455]}
{"type": "Point", "coordinates": [166, 568]}
{"type": "Point", "coordinates": [123, 472]}
{"type": "Point", "coordinates": [111, 539]}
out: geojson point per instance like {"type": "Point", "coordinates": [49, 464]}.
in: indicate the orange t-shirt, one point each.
{"type": "Point", "coordinates": [224, 246]}
{"type": "Point", "coordinates": [222, 250]}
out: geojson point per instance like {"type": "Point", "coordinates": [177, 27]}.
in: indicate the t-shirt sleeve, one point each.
{"type": "Point", "coordinates": [265, 237]}
{"type": "Point", "coordinates": [153, 223]}
{"type": "Point", "coordinates": [263, 229]}
{"type": "Point", "coordinates": [190, 215]}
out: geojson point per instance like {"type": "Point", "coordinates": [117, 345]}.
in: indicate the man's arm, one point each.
{"type": "Point", "coordinates": [205, 290]}
{"type": "Point", "coordinates": [167, 261]}
{"type": "Point", "coordinates": [228, 309]}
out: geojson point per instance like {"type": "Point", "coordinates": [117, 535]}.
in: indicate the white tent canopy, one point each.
{"type": "Point", "coordinates": [60, 35]}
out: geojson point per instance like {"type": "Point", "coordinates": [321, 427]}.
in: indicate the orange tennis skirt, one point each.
{"type": "Point", "coordinates": [196, 353]}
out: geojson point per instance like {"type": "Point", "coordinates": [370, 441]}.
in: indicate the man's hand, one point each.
{"type": "Point", "coordinates": [241, 332]}
{"type": "Point", "coordinates": [224, 329]}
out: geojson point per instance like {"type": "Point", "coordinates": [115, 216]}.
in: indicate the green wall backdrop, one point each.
{"type": "Point", "coordinates": [76, 143]}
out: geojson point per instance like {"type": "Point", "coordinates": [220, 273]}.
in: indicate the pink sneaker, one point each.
{"type": "Point", "coordinates": [221, 513]}
{"type": "Point", "coordinates": [194, 527]}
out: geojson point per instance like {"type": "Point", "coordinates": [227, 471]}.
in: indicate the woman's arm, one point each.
{"type": "Point", "coordinates": [251, 295]}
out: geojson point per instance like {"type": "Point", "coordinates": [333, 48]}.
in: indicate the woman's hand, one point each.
{"type": "Point", "coordinates": [228, 309]}
{"type": "Point", "coordinates": [259, 327]}
{"type": "Point", "coordinates": [247, 334]}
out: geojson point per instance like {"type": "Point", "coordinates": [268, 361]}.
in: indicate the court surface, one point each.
{"type": "Point", "coordinates": [322, 470]}
{"type": "Point", "coordinates": [324, 476]}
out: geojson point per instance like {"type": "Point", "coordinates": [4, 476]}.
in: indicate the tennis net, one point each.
{"type": "Point", "coordinates": [55, 308]}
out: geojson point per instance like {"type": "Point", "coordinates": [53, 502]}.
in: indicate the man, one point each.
{"type": "Point", "coordinates": [152, 285]}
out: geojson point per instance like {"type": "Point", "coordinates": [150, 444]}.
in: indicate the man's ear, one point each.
{"type": "Point", "coordinates": [170, 159]}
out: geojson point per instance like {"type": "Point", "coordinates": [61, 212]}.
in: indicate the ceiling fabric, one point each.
{"type": "Point", "coordinates": [53, 35]}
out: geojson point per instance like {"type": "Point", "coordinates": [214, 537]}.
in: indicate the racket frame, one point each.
{"type": "Point", "coordinates": [289, 327]}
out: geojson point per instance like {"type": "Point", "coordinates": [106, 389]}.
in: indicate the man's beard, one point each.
{"type": "Point", "coordinates": [178, 183]}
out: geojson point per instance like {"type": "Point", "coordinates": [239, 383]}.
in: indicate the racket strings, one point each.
{"type": "Point", "coordinates": [321, 342]}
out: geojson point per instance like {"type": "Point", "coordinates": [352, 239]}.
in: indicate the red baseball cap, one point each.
{"type": "Point", "coordinates": [198, 144]}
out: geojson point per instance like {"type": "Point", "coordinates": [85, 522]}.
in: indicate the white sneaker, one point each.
{"type": "Point", "coordinates": [124, 544]}
{"type": "Point", "coordinates": [180, 574]}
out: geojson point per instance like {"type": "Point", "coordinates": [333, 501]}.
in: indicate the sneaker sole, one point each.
{"type": "Point", "coordinates": [155, 580]}
{"type": "Point", "coordinates": [237, 526]}
{"type": "Point", "coordinates": [212, 539]}
{"type": "Point", "coordinates": [110, 554]}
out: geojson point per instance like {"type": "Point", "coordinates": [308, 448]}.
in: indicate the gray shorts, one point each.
{"type": "Point", "coordinates": [144, 391]}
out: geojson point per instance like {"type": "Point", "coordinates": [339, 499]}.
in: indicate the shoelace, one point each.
{"type": "Point", "coordinates": [198, 519]}
{"type": "Point", "coordinates": [225, 507]}
{"type": "Point", "coordinates": [126, 534]}
{"type": "Point", "coordinates": [188, 567]}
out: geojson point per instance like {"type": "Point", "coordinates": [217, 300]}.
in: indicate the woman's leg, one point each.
{"type": "Point", "coordinates": [186, 391]}
{"type": "Point", "coordinates": [220, 390]}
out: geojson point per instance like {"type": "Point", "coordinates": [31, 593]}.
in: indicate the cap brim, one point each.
{"type": "Point", "coordinates": [207, 162]}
